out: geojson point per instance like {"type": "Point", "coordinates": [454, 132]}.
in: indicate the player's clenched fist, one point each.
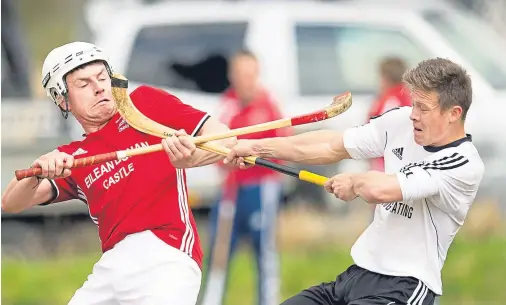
{"type": "Point", "coordinates": [341, 186]}
{"type": "Point", "coordinates": [180, 148]}
{"type": "Point", "coordinates": [243, 148]}
{"type": "Point", "coordinates": [54, 165]}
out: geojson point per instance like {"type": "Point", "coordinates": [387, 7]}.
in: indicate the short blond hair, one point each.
{"type": "Point", "coordinates": [449, 80]}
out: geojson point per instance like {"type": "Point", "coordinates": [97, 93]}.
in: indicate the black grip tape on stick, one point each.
{"type": "Point", "coordinates": [278, 167]}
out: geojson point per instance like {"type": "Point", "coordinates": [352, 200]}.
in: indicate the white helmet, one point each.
{"type": "Point", "coordinates": [60, 61]}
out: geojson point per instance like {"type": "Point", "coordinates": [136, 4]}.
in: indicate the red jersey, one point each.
{"type": "Point", "coordinates": [142, 192]}
{"type": "Point", "coordinates": [397, 96]}
{"type": "Point", "coordinates": [261, 110]}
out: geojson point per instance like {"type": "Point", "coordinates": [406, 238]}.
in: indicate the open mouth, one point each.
{"type": "Point", "coordinates": [417, 129]}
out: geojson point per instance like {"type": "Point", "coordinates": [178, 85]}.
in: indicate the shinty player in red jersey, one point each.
{"type": "Point", "coordinates": [151, 248]}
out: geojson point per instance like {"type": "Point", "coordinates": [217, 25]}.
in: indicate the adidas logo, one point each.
{"type": "Point", "coordinates": [79, 151]}
{"type": "Point", "coordinates": [398, 152]}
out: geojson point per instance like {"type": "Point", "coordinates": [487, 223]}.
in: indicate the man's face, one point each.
{"type": "Point", "coordinates": [90, 94]}
{"type": "Point", "coordinates": [430, 123]}
{"type": "Point", "coordinates": [243, 76]}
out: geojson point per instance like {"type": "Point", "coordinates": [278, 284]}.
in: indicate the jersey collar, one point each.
{"type": "Point", "coordinates": [467, 138]}
{"type": "Point", "coordinates": [113, 119]}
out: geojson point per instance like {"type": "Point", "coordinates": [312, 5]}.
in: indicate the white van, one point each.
{"type": "Point", "coordinates": [309, 52]}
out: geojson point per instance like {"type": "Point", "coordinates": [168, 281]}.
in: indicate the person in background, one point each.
{"type": "Point", "coordinates": [256, 192]}
{"type": "Point", "coordinates": [393, 94]}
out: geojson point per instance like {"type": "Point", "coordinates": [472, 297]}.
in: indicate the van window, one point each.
{"type": "Point", "coordinates": [476, 41]}
{"type": "Point", "coordinates": [333, 59]}
{"type": "Point", "coordinates": [189, 57]}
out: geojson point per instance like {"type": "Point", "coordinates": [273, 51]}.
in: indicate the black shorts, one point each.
{"type": "Point", "coordinates": [358, 286]}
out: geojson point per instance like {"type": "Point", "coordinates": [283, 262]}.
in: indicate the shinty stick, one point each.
{"type": "Point", "coordinates": [142, 123]}
{"type": "Point", "coordinates": [134, 117]}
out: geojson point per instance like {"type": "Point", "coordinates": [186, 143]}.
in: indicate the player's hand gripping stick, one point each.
{"type": "Point", "coordinates": [140, 122]}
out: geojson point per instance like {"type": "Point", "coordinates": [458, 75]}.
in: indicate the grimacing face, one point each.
{"type": "Point", "coordinates": [431, 124]}
{"type": "Point", "coordinates": [90, 94]}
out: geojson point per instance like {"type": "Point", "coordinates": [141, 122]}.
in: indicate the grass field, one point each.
{"type": "Point", "coordinates": [475, 274]}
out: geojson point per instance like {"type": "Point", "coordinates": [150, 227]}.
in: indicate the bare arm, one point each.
{"type": "Point", "coordinates": [182, 151]}
{"type": "Point", "coordinates": [322, 146]}
{"type": "Point", "coordinates": [202, 157]}
{"type": "Point", "coordinates": [24, 194]}
{"type": "Point", "coordinates": [373, 187]}
{"type": "Point", "coordinates": [377, 187]}
{"type": "Point", "coordinates": [314, 147]}
{"type": "Point", "coordinates": [21, 195]}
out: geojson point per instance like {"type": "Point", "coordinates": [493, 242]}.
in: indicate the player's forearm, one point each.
{"type": "Point", "coordinates": [377, 187]}
{"type": "Point", "coordinates": [315, 147]}
{"type": "Point", "coordinates": [202, 157]}
{"type": "Point", "coordinates": [21, 195]}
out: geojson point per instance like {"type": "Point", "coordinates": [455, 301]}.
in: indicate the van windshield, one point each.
{"type": "Point", "coordinates": [192, 56]}
{"type": "Point", "coordinates": [475, 41]}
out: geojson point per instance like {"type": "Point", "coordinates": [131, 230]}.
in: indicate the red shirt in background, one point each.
{"type": "Point", "coordinates": [235, 115]}
{"type": "Point", "coordinates": [397, 96]}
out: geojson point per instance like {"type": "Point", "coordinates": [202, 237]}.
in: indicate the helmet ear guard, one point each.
{"type": "Point", "coordinates": [56, 96]}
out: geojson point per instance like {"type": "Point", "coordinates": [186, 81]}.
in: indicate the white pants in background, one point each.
{"type": "Point", "coordinates": [141, 270]}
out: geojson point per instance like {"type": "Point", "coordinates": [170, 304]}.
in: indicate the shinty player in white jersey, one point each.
{"type": "Point", "coordinates": [432, 175]}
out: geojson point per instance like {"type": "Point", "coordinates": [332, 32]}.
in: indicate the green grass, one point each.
{"type": "Point", "coordinates": [299, 270]}
{"type": "Point", "coordinates": [474, 274]}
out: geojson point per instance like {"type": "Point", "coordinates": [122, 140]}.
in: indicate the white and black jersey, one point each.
{"type": "Point", "coordinates": [411, 237]}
